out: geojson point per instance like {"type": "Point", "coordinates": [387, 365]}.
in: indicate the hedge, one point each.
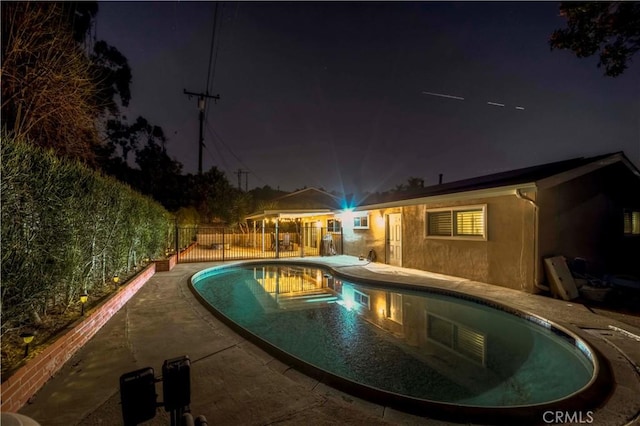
{"type": "Point", "coordinates": [67, 229]}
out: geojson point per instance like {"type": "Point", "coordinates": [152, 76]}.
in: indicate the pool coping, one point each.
{"type": "Point", "coordinates": [590, 397]}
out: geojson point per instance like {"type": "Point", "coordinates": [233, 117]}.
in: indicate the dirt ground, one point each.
{"type": "Point", "coordinates": [54, 323]}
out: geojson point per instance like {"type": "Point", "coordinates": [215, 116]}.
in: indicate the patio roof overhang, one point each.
{"type": "Point", "coordinates": [289, 214]}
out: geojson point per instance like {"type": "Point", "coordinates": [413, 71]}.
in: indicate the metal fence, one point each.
{"type": "Point", "coordinates": [205, 244]}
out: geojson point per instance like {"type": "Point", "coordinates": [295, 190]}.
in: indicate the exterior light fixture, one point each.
{"type": "Point", "coordinates": [27, 337]}
{"type": "Point", "coordinates": [83, 299]}
{"type": "Point", "coordinates": [116, 280]}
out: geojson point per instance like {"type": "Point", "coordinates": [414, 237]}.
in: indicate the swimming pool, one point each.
{"type": "Point", "coordinates": [412, 348]}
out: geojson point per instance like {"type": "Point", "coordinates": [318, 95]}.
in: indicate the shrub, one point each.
{"type": "Point", "coordinates": [67, 229]}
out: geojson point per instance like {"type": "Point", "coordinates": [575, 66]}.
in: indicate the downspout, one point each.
{"type": "Point", "coordinates": [535, 240]}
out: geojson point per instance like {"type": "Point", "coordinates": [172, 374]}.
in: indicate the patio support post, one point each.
{"type": "Point", "coordinates": [177, 240]}
{"type": "Point", "coordinates": [277, 239]}
{"type": "Point", "coordinates": [300, 240]}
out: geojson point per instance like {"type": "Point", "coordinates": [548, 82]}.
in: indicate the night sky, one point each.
{"type": "Point", "coordinates": [334, 94]}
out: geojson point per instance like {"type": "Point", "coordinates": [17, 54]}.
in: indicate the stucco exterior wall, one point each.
{"type": "Point", "coordinates": [506, 258]}
{"type": "Point", "coordinates": [359, 242]}
{"type": "Point", "coordinates": [580, 217]}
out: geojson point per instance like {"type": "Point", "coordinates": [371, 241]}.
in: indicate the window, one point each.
{"type": "Point", "coordinates": [439, 223]}
{"type": "Point", "coordinates": [361, 298]}
{"type": "Point", "coordinates": [463, 222]}
{"type": "Point", "coordinates": [333, 225]}
{"type": "Point", "coordinates": [361, 222]}
{"type": "Point", "coordinates": [458, 338]}
{"type": "Point", "coordinates": [632, 222]}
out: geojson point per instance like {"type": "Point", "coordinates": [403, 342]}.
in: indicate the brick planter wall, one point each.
{"type": "Point", "coordinates": [22, 385]}
{"type": "Point", "coordinates": [166, 264]}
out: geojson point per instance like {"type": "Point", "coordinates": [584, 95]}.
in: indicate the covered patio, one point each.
{"type": "Point", "coordinates": [271, 235]}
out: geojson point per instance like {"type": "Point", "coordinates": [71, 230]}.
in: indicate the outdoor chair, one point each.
{"type": "Point", "coordinates": [286, 242]}
{"type": "Point", "coordinates": [273, 241]}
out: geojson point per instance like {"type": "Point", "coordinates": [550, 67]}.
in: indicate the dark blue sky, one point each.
{"type": "Point", "coordinates": [332, 94]}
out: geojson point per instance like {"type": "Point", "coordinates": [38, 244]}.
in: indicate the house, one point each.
{"type": "Point", "coordinates": [498, 228]}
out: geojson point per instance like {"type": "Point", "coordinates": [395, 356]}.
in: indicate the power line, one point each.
{"type": "Point", "coordinates": [241, 172]}
{"type": "Point", "coordinates": [213, 57]}
{"type": "Point", "coordinates": [203, 96]}
{"type": "Point", "coordinates": [224, 144]}
{"type": "Point", "coordinates": [213, 34]}
{"type": "Point", "coordinates": [224, 165]}
{"type": "Point", "coordinates": [201, 106]}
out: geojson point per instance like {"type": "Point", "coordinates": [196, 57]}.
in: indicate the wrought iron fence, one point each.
{"type": "Point", "coordinates": [206, 244]}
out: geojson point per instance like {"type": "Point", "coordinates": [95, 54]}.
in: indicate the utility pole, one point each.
{"type": "Point", "coordinates": [201, 98]}
{"type": "Point", "coordinates": [240, 172]}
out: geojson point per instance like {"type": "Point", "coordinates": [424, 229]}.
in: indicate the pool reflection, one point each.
{"type": "Point", "coordinates": [415, 343]}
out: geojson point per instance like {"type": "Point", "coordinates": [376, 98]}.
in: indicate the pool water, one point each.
{"type": "Point", "coordinates": [416, 343]}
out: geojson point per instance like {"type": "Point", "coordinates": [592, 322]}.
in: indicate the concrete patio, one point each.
{"type": "Point", "coordinates": [235, 383]}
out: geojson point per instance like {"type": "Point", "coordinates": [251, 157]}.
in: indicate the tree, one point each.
{"type": "Point", "coordinates": [212, 195]}
{"type": "Point", "coordinates": [53, 90]}
{"type": "Point", "coordinates": [112, 76]}
{"type": "Point", "coordinates": [47, 87]}
{"type": "Point", "coordinates": [79, 17]}
{"type": "Point", "coordinates": [611, 29]}
{"type": "Point", "coordinates": [159, 175]}
{"type": "Point", "coordinates": [240, 207]}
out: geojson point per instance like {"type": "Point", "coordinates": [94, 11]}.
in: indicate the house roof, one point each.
{"type": "Point", "coordinates": [308, 198]}
{"type": "Point", "coordinates": [315, 202]}
{"type": "Point", "coordinates": [305, 202]}
{"type": "Point", "coordinates": [545, 175]}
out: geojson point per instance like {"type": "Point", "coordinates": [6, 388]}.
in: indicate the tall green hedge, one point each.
{"type": "Point", "coordinates": [67, 229]}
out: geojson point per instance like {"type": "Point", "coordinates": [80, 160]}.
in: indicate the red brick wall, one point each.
{"type": "Point", "coordinates": [22, 385]}
{"type": "Point", "coordinates": [166, 264]}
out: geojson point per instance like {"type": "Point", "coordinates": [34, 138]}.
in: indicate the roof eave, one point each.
{"type": "Point", "coordinates": [288, 213]}
{"type": "Point", "coordinates": [463, 195]}
{"type": "Point", "coordinates": [563, 177]}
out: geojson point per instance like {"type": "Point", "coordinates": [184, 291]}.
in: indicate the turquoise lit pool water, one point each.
{"type": "Point", "coordinates": [420, 344]}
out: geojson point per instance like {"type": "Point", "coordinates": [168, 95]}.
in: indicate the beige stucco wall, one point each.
{"type": "Point", "coordinates": [359, 242]}
{"type": "Point", "coordinates": [506, 258]}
